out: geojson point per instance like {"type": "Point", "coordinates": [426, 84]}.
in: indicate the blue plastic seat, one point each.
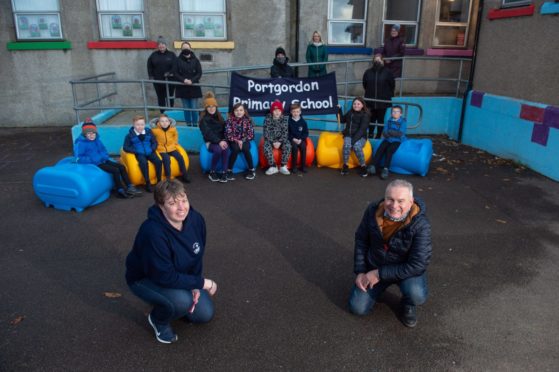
{"type": "Point", "coordinates": [412, 157]}
{"type": "Point", "coordinates": [240, 165]}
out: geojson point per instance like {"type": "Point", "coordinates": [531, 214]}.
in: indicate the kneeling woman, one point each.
{"type": "Point", "coordinates": [164, 267]}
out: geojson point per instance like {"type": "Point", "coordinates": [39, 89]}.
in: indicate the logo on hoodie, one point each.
{"type": "Point", "coordinates": [196, 247]}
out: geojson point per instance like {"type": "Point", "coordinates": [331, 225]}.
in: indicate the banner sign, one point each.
{"type": "Point", "coordinates": [316, 95]}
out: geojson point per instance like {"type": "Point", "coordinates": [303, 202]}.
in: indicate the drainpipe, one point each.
{"type": "Point", "coordinates": [472, 70]}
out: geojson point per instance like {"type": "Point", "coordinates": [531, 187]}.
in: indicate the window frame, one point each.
{"type": "Point", "coordinates": [35, 13]}
{"type": "Point", "coordinates": [516, 3]}
{"type": "Point", "coordinates": [205, 13]}
{"type": "Point", "coordinates": [465, 25]}
{"type": "Point", "coordinates": [331, 20]}
{"type": "Point", "coordinates": [101, 13]}
{"type": "Point", "coordinates": [386, 22]}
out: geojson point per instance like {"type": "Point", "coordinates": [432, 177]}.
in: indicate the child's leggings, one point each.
{"type": "Point", "coordinates": [166, 157]}
{"type": "Point", "coordinates": [143, 163]}
{"type": "Point", "coordinates": [235, 149]}
{"type": "Point", "coordinates": [218, 154]}
{"type": "Point", "coordinates": [269, 152]}
{"type": "Point", "coordinates": [357, 148]}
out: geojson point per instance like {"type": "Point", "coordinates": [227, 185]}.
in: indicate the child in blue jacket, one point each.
{"type": "Point", "coordinates": [141, 142]}
{"type": "Point", "coordinates": [394, 134]}
{"type": "Point", "coordinates": [88, 149]}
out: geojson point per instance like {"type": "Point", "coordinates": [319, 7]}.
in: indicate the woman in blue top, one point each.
{"type": "Point", "coordinates": [394, 133]}
{"type": "Point", "coordinates": [164, 267]}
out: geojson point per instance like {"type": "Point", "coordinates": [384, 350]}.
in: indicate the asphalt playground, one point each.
{"type": "Point", "coordinates": [281, 250]}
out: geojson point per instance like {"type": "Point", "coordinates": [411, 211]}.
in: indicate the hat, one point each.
{"type": "Point", "coordinates": [161, 40]}
{"type": "Point", "coordinates": [396, 27]}
{"type": "Point", "coordinates": [276, 105]}
{"type": "Point", "coordinates": [280, 50]}
{"type": "Point", "coordinates": [209, 100]}
{"type": "Point", "coordinates": [88, 126]}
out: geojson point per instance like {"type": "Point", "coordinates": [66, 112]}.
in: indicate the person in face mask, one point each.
{"type": "Point", "coordinates": [280, 68]}
{"type": "Point", "coordinates": [188, 70]}
{"type": "Point", "coordinates": [378, 83]}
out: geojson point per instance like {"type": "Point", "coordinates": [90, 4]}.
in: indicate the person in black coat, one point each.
{"type": "Point", "coordinates": [280, 68]}
{"type": "Point", "coordinates": [378, 83]}
{"type": "Point", "coordinates": [392, 246]}
{"type": "Point", "coordinates": [394, 46]}
{"type": "Point", "coordinates": [160, 66]}
{"type": "Point", "coordinates": [188, 70]}
{"type": "Point", "coordinates": [355, 135]}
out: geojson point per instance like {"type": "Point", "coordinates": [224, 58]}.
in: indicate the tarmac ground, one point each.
{"type": "Point", "coordinates": [281, 250]}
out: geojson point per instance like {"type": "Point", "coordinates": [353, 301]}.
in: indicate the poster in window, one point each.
{"type": "Point", "coordinates": [209, 23]}
{"type": "Point", "coordinates": [43, 24]}
{"type": "Point", "coordinates": [127, 30]}
{"type": "Point", "coordinates": [116, 22]}
{"type": "Point", "coordinates": [34, 30]}
{"type": "Point", "coordinates": [23, 23]}
{"type": "Point", "coordinates": [218, 31]}
{"type": "Point", "coordinates": [189, 23]}
{"type": "Point", "coordinates": [200, 31]}
{"type": "Point", "coordinates": [136, 22]}
{"type": "Point", "coordinates": [54, 30]}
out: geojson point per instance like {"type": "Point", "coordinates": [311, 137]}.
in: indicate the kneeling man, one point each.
{"type": "Point", "coordinates": [392, 246]}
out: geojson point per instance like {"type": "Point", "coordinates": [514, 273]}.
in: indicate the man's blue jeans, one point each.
{"type": "Point", "coordinates": [191, 117]}
{"type": "Point", "coordinates": [170, 304]}
{"type": "Point", "coordinates": [414, 292]}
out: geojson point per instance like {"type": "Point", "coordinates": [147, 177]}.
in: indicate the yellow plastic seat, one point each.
{"type": "Point", "coordinates": [329, 152]}
{"type": "Point", "coordinates": [133, 168]}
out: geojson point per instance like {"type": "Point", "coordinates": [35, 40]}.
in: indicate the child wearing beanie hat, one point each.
{"type": "Point", "coordinates": [275, 137]}
{"type": "Point", "coordinates": [88, 149]}
{"type": "Point", "coordinates": [280, 68]}
{"type": "Point", "coordinates": [209, 100]}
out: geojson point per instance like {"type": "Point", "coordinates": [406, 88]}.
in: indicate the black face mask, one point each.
{"type": "Point", "coordinates": [377, 65]}
{"type": "Point", "coordinates": [186, 52]}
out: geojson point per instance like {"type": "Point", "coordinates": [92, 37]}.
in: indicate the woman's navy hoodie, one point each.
{"type": "Point", "coordinates": [168, 257]}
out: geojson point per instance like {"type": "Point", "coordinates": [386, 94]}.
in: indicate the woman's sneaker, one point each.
{"type": "Point", "coordinates": [163, 333]}
{"type": "Point", "coordinates": [251, 174]}
{"type": "Point", "coordinates": [284, 170]}
{"type": "Point", "coordinates": [213, 176]}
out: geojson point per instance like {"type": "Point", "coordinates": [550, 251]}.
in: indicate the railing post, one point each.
{"type": "Point", "coordinates": [75, 96]}
{"type": "Point", "coordinates": [97, 88]}
{"type": "Point", "coordinates": [402, 77]}
{"type": "Point", "coordinates": [459, 78]}
{"type": "Point", "coordinates": [345, 78]}
{"type": "Point", "coordinates": [145, 100]}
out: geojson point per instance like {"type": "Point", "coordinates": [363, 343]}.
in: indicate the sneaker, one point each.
{"type": "Point", "coordinates": [372, 170]}
{"type": "Point", "coordinates": [230, 176]}
{"type": "Point", "coordinates": [409, 316]}
{"type": "Point", "coordinates": [223, 177]}
{"type": "Point", "coordinates": [251, 174]}
{"type": "Point", "coordinates": [163, 333]}
{"type": "Point", "coordinates": [123, 194]}
{"type": "Point", "coordinates": [384, 173]}
{"type": "Point", "coordinates": [213, 176]}
{"type": "Point", "coordinates": [363, 171]}
{"type": "Point", "coordinates": [132, 190]}
{"type": "Point", "coordinates": [149, 188]}
{"type": "Point", "coordinates": [284, 170]}
{"type": "Point", "coordinates": [345, 170]}
{"type": "Point", "coordinates": [271, 170]}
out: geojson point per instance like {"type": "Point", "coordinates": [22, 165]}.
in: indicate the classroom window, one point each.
{"type": "Point", "coordinates": [203, 19]}
{"type": "Point", "coordinates": [346, 22]}
{"type": "Point", "coordinates": [513, 3]}
{"type": "Point", "coordinates": [121, 19]}
{"type": "Point", "coordinates": [452, 23]}
{"type": "Point", "coordinates": [406, 14]}
{"type": "Point", "coordinates": [37, 19]}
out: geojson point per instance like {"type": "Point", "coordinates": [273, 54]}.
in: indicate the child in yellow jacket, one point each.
{"type": "Point", "coordinates": [167, 138]}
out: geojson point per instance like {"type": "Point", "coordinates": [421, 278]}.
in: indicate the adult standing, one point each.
{"type": "Point", "coordinates": [378, 83]}
{"type": "Point", "coordinates": [392, 246]}
{"type": "Point", "coordinates": [280, 67]}
{"type": "Point", "coordinates": [394, 46]}
{"type": "Point", "coordinates": [160, 66]}
{"type": "Point", "coordinates": [164, 267]}
{"type": "Point", "coordinates": [188, 70]}
{"type": "Point", "coordinates": [317, 52]}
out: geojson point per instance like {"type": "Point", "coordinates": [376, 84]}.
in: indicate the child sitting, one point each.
{"type": "Point", "coordinates": [88, 149]}
{"type": "Point", "coordinates": [275, 136]}
{"type": "Point", "coordinates": [167, 138]}
{"type": "Point", "coordinates": [298, 133]}
{"type": "Point", "coordinates": [393, 135]}
{"type": "Point", "coordinates": [355, 134]}
{"type": "Point", "coordinates": [212, 126]}
{"type": "Point", "coordinates": [141, 142]}
{"type": "Point", "coordinates": [239, 131]}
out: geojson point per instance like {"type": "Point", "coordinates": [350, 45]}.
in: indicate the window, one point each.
{"type": "Point", "coordinates": [513, 3]}
{"type": "Point", "coordinates": [406, 14]}
{"type": "Point", "coordinates": [37, 19]}
{"type": "Point", "coordinates": [346, 22]}
{"type": "Point", "coordinates": [121, 19]}
{"type": "Point", "coordinates": [452, 23]}
{"type": "Point", "coordinates": [203, 19]}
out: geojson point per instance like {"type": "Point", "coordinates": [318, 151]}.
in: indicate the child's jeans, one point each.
{"type": "Point", "coordinates": [143, 163]}
{"type": "Point", "coordinates": [166, 157]}
{"type": "Point", "coordinates": [118, 172]}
